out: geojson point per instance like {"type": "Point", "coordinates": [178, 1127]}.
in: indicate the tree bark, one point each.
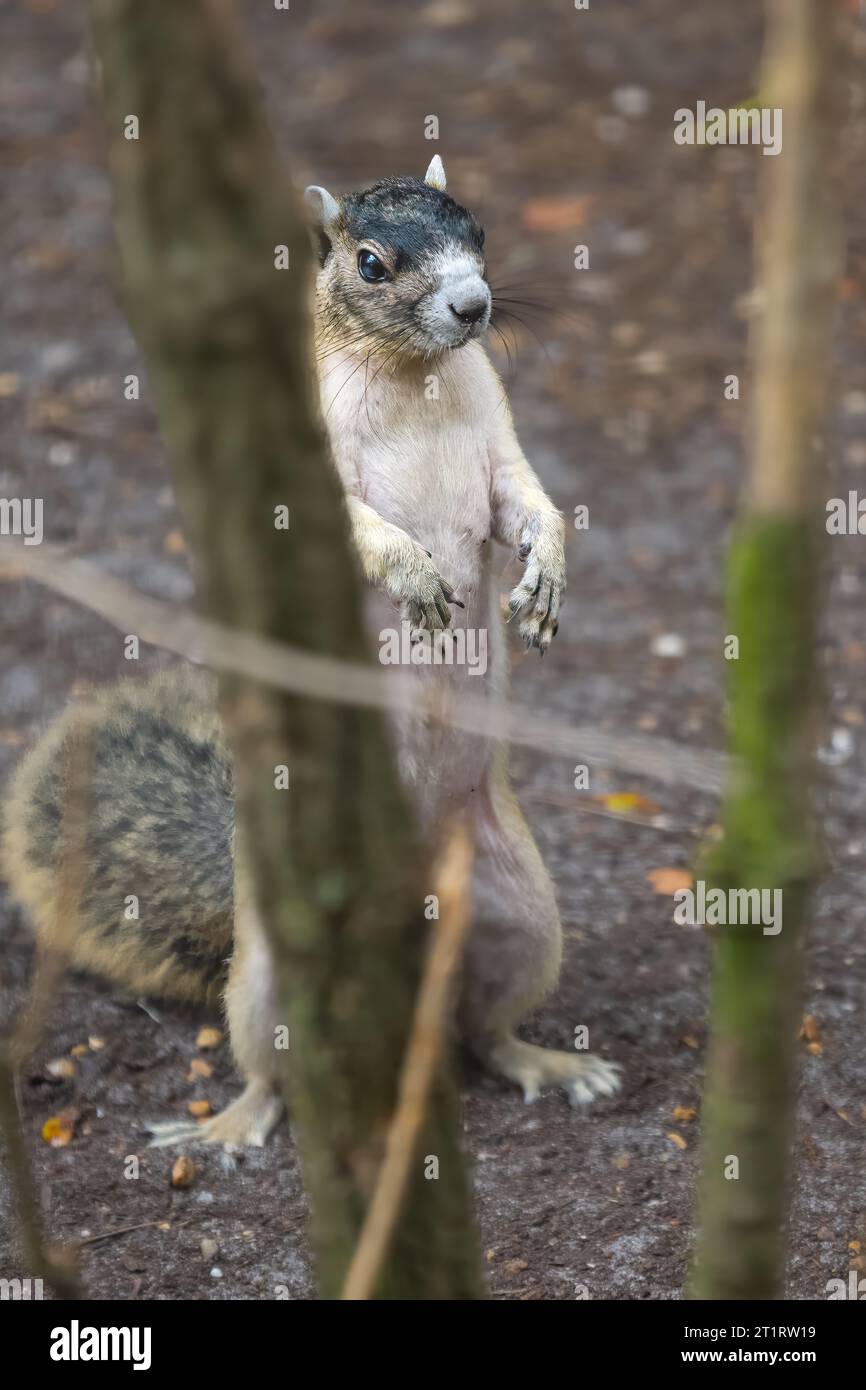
{"type": "Point", "coordinates": [202, 206]}
{"type": "Point", "coordinates": [769, 842]}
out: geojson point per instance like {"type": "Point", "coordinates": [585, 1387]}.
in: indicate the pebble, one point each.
{"type": "Point", "coordinates": [651, 362]}
{"type": "Point", "coordinates": [839, 749]}
{"type": "Point", "coordinates": [60, 1067]}
{"type": "Point", "coordinates": [56, 357]}
{"type": "Point", "coordinates": [611, 130]}
{"type": "Point", "coordinates": [747, 305]}
{"type": "Point", "coordinates": [668, 644]}
{"type": "Point", "coordinates": [62, 454]}
{"type": "Point", "coordinates": [849, 581]}
{"type": "Point", "coordinates": [631, 241]}
{"type": "Point", "coordinates": [632, 102]}
{"type": "Point", "coordinates": [626, 335]}
{"type": "Point", "coordinates": [76, 70]}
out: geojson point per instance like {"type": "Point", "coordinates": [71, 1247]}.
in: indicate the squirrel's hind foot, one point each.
{"type": "Point", "coordinates": [247, 1121]}
{"type": "Point", "coordinates": [582, 1078]}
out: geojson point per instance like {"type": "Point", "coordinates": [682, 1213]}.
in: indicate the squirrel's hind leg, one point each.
{"type": "Point", "coordinates": [252, 1013]}
{"type": "Point", "coordinates": [247, 1121]}
{"type": "Point", "coordinates": [532, 1068]}
{"type": "Point", "coordinates": [513, 956]}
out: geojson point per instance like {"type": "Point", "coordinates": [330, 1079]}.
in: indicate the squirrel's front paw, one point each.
{"type": "Point", "coordinates": [536, 600]}
{"type": "Point", "coordinates": [421, 591]}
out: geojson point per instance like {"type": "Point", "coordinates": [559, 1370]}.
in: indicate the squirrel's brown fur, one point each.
{"type": "Point", "coordinates": [159, 832]}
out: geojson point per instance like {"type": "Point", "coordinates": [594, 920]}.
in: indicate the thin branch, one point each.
{"type": "Point", "coordinates": [350, 683]}
{"type": "Point", "coordinates": [423, 1053]}
{"type": "Point", "coordinates": [71, 869]}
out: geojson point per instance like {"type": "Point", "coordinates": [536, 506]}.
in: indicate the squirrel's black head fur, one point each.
{"type": "Point", "coordinates": [402, 268]}
{"type": "Point", "coordinates": [408, 216]}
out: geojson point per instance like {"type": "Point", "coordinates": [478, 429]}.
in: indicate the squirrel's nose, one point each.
{"type": "Point", "coordinates": [470, 310]}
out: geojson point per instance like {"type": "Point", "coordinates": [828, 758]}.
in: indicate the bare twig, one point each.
{"type": "Point", "coordinates": [53, 956]}
{"type": "Point", "coordinates": [423, 1053]}
{"type": "Point", "coordinates": [71, 869]}
{"type": "Point", "coordinates": [351, 683]}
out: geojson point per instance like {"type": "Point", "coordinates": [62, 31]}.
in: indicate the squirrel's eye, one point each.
{"type": "Point", "coordinates": [371, 268]}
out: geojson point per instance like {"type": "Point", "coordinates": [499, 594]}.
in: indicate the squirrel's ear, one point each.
{"type": "Point", "coordinates": [323, 209]}
{"type": "Point", "coordinates": [435, 175]}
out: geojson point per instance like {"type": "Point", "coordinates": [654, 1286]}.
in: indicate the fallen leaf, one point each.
{"type": "Point", "coordinates": [208, 1037]}
{"type": "Point", "coordinates": [183, 1171]}
{"type": "Point", "coordinates": [555, 214]}
{"type": "Point", "coordinates": [683, 1114]}
{"type": "Point", "coordinates": [61, 1067]}
{"type": "Point", "coordinates": [677, 1139]}
{"type": "Point", "coordinates": [50, 413]}
{"type": "Point", "coordinates": [855, 1246]}
{"type": "Point", "coordinates": [442, 14]}
{"type": "Point", "coordinates": [59, 1130]}
{"type": "Point", "coordinates": [79, 1050]}
{"type": "Point", "coordinates": [847, 288]}
{"type": "Point", "coordinates": [669, 881]}
{"type": "Point", "coordinates": [689, 1040]}
{"type": "Point", "coordinates": [626, 803]}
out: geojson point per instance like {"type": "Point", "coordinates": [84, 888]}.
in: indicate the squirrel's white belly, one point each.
{"type": "Point", "coordinates": [423, 465]}
{"type": "Point", "coordinates": [435, 486]}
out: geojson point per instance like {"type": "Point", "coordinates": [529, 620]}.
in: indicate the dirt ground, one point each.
{"type": "Point", "coordinates": [556, 127]}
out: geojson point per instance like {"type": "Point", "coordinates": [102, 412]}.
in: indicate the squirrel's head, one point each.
{"type": "Point", "coordinates": [402, 266]}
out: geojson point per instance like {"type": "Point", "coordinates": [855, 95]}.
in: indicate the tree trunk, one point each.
{"type": "Point", "coordinates": [202, 210]}
{"type": "Point", "coordinates": [768, 840]}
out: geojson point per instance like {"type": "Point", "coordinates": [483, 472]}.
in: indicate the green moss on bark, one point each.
{"type": "Point", "coordinates": [768, 844]}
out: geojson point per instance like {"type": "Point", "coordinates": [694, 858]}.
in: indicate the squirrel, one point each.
{"type": "Point", "coordinates": [422, 437]}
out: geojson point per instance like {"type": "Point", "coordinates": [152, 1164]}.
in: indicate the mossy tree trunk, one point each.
{"type": "Point", "coordinates": [203, 208]}
{"type": "Point", "coordinates": [769, 842]}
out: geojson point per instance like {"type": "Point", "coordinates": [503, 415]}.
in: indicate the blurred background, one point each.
{"type": "Point", "coordinates": [556, 127]}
